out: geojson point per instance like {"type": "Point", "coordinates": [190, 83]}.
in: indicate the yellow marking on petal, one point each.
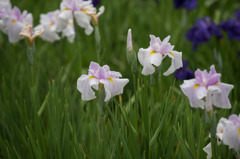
{"type": "Point", "coordinates": [14, 21]}
{"type": "Point", "coordinates": [171, 54]}
{"type": "Point", "coordinates": [65, 9]}
{"type": "Point", "coordinates": [84, 11]}
{"type": "Point", "coordinates": [69, 23]}
{"type": "Point", "coordinates": [239, 131]}
{"type": "Point", "coordinates": [51, 24]}
{"type": "Point", "coordinates": [218, 84]}
{"type": "Point", "coordinates": [195, 86]}
{"type": "Point", "coordinates": [110, 79]}
{"type": "Point", "coordinates": [152, 52]}
{"type": "Point", "coordinates": [91, 77]}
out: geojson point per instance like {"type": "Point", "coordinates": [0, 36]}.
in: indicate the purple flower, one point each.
{"type": "Point", "coordinates": [232, 27]}
{"type": "Point", "coordinates": [97, 75]}
{"type": "Point", "coordinates": [202, 31]}
{"type": "Point", "coordinates": [184, 73]}
{"type": "Point", "coordinates": [187, 4]}
{"type": "Point", "coordinates": [206, 90]}
{"type": "Point", "coordinates": [95, 2]}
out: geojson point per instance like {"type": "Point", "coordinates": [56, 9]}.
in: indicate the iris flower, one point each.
{"type": "Point", "coordinates": [155, 53]}
{"type": "Point", "coordinates": [187, 4]}
{"type": "Point", "coordinates": [202, 31]}
{"type": "Point", "coordinates": [184, 73]}
{"type": "Point", "coordinates": [100, 76]}
{"type": "Point", "coordinates": [232, 27]}
{"type": "Point", "coordinates": [207, 90]}
{"type": "Point", "coordinates": [48, 22]}
{"type": "Point", "coordinates": [15, 22]}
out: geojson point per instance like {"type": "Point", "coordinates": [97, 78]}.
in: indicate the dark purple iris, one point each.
{"type": "Point", "coordinates": [187, 4]}
{"type": "Point", "coordinates": [95, 2]}
{"type": "Point", "coordinates": [232, 27]}
{"type": "Point", "coordinates": [202, 31]}
{"type": "Point", "coordinates": [184, 73]}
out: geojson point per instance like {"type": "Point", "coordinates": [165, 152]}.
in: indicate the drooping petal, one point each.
{"type": "Point", "coordinates": [142, 54]}
{"type": "Point", "coordinates": [13, 31]}
{"type": "Point", "coordinates": [113, 87]}
{"type": "Point", "coordinates": [63, 20]}
{"type": "Point", "coordinates": [84, 84]}
{"type": "Point", "coordinates": [48, 35]}
{"type": "Point", "coordinates": [220, 98]}
{"type": "Point", "coordinates": [176, 62]}
{"type": "Point", "coordinates": [231, 136]}
{"type": "Point", "coordinates": [148, 59]}
{"type": "Point", "coordinates": [223, 122]}
{"type": "Point", "coordinates": [83, 20]}
{"type": "Point", "coordinates": [188, 89]}
{"type": "Point", "coordinates": [69, 32]}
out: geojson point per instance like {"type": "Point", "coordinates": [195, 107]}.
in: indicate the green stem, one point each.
{"type": "Point", "coordinates": [98, 43]}
{"type": "Point", "coordinates": [101, 96]}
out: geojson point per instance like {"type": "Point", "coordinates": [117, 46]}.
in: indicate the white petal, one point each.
{"type": "Point", "coordinates": [220, 98]}
{"type": "Point", "coordinates": [200, 92]}
{"type": "Point", "coordinates": [14, 30]}
{"type": "Point", "coordinates": [142, 53]}
{"type": "Point", "coordinates": [101, 11]}
{"type": "Point", "coordinates": [188, 89]}
{"type": "Point", "coordinates": [208, 150]}
{"type": "Point", "coordinates": [83, 21]}
{"type": "Point", "coordinates": [147, 60]}
{"type": "Point", "coordinates": [176, 62]}
{"type": "Point", "coordinates": [84, 85]}
{"type": "Point", "coordinates": [113, 87]}
{"type": "Point", "coordinates": [156, 59]}
{"type": "Point", "coordinates": [69, 32]}
{"type": "Point", "coordinates": [63, 19]}
{"type": "Point", "coordinates": [48, 35]}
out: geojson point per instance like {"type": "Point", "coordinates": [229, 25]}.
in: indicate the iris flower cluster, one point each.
{"type": "Point", "coordinates": [202, 31]}
{"type": "Point", "coordinates": [54, 22]}
{"type": "Point", "coordinates": [12, 20]}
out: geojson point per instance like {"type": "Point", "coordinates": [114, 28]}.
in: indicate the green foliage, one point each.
{"type": "Point", "coordinates": [41, 111]}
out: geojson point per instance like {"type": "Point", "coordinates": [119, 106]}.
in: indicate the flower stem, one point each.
{"type": "Point", "coordinates": [101, 95]}
{"type": "Point", "coordinates": [98, 43]}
